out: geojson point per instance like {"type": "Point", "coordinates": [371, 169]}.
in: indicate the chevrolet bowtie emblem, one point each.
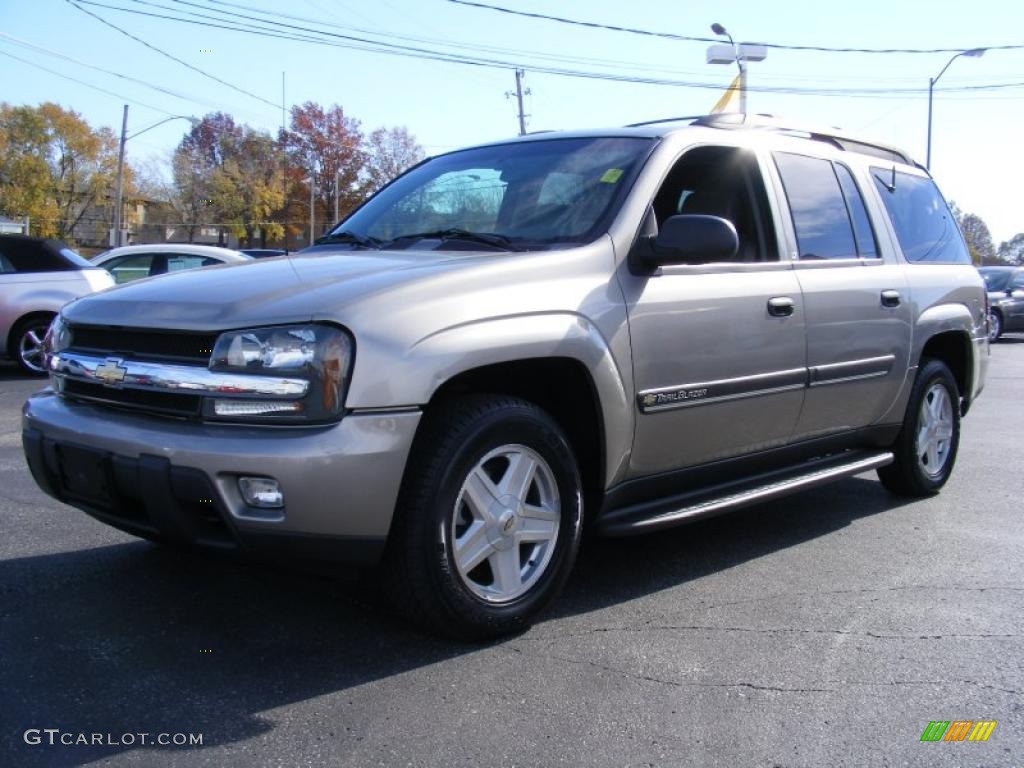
{"type": "Point", "coordinates": [111, 372]}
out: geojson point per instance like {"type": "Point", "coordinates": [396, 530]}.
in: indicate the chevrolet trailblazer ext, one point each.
{"type": "Point", "coordinates": [631, 328]}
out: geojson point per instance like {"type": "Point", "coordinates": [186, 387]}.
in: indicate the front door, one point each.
{"type": "Point", "coordinates": [718, 348]}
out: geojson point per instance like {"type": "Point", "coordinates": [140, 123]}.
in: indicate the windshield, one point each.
{"type": "Point", "coordinates": [512, 196]}
{"type": "Point", "coordinates": [995, 279]}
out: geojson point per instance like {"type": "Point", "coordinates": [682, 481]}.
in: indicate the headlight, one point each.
{"type": "Point", "coordinates": [58, 338]}
{"type": "Point", "coordinates": [320, 353]}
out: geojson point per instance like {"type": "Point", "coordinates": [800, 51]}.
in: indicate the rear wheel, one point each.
{"type": "Point", "coordinates": [995, 326]}
{"type": "Point", "coordinates": [925, 450]}
{"type": "Point", "coordinates": [489, 519]}
{"type": "Point", "coordinates": [27, 347]}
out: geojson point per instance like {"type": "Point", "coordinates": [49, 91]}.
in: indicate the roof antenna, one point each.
{"type": "Point", "coordinates": [890, 186]}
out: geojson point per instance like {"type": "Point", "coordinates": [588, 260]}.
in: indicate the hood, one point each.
{"type": "Point", "coordinates": [262, 292]}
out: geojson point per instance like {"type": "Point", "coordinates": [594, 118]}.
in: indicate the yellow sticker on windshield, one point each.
{"type": "Point", "coordinates": [611, 175]}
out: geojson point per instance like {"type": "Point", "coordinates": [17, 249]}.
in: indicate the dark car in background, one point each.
{"type": "Point", "coordinates": [1005, 286]}
{"type": "Point", "coordinates": [37, 278]}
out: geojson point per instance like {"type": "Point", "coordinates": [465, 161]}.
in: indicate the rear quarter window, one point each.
{"type": "Point", "coordinates": [923, 222]}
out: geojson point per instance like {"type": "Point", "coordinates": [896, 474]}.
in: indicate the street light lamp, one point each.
{"type": "Point", "coordinates": [720, 54]}
{"type": "Point", "coordinates": [973, 53]}
{"type": "Point", "coordinates": [120, 165]}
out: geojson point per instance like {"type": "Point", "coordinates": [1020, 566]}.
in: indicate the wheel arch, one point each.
{"type": "Point", "coordinates": [565, 389]}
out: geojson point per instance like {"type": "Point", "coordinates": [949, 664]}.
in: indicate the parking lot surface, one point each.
{"type": "Point", "coordinates": [826, 629]}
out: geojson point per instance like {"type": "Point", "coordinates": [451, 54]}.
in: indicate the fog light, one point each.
{"type": "Point", "coordinates": [261, 492]}
{"type": "Point", "coordinates": [254, 407]}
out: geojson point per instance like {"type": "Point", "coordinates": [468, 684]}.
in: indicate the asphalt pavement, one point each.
{"type": "Point", "coordinates": [826, 629]}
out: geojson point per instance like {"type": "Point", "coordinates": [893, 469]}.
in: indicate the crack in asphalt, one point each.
{"type": "Point", "coordinates": [837, 686]}
{"type": "Point", "coordinates": [770, 630]}
{"type": "Point", "coordinates": [863, 590]}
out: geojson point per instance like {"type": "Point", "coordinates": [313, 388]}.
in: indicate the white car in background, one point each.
{"type": "Point", "coordinates": [37, 278]}
{"type": "Point", "coordinates": [132, 262]}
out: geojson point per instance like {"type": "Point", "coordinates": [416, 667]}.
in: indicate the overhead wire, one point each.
{"type": "Point", "coordinates": [88, 85]}
{"type": "Point", "coordinates": [172, 57]}
{"type": "Point", "coordinates": [688, 38]}
{"type": "Point", "coordinates": [332, 39]}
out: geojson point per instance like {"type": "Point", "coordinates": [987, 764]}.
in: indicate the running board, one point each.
{"type": "Point", "coordinates": [656, 515]}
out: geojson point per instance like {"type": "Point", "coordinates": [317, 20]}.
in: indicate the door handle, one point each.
{"type": "Point", "coordinates": [780, 306]}
{"type": "Point", "coordinates": [890, 298]}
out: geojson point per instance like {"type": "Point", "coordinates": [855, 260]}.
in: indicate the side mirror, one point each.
{"type": "Point", "coordinates": [693, 239]}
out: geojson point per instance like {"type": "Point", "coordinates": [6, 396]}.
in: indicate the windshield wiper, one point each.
{"type": "Point", "coordinates": [347, 236]}
{"type": "Point", "coordinates": [455, 233]}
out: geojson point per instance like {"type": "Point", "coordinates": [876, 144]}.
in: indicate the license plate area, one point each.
{"type": "Point", "coordinates": [83, 473]}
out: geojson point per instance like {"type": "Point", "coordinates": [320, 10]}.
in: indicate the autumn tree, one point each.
{"type": "Point", "coordinates": [389, 152]}
{"type": "Point", "coordinates": [979, 239]}
{"type": "Point", "coordinates": [1012, 251]}
{"type": "Point", "coordinates": [54, 167]}
{"type": "Point", "coordinates": [326, 145]}
{"type": "Point", "coordinates": [229, 175]}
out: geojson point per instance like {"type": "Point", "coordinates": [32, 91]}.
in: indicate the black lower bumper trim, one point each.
{"type": "Point", "coordinates": [150, 497]}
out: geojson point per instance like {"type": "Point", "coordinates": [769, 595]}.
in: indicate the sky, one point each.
{"type": "Point", "coordinates": [976, 157]}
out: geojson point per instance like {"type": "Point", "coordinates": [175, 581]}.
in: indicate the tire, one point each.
{"type": "Point", "coordinates": [469, 556]}
{"type": "Point", "coordinates": [27, 344]}
{"type": "Point", "coordinates": [925, 450]}
{"type": "Point", "coordinates": [995, 326]}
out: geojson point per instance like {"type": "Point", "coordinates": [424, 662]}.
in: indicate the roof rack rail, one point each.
{"type": "Point", "coordinates": [739, 121]}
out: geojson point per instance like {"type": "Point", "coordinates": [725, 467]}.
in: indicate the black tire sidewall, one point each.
{"type": "Point", "coordinates": [996, 325]}
{"type": "Point", "coordinates": [19, 333]}
{"type": "Point", "coordinates": [933, 372]}
{"type": "Point", "coordinates": [524, 425]}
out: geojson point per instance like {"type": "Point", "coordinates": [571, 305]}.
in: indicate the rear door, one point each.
{"type": "Point", "coordinates": [856, 300]}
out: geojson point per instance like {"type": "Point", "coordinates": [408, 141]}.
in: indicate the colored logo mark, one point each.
{"type": "Point", "coordinates": [958, 730]}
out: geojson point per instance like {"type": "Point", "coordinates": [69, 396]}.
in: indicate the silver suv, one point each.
{"type": "Point", "coordinates": [625, 329]}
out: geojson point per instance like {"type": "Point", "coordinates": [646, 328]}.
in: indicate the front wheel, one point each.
{"type": "Point", "coordinates": [28, 350]}
{"type": "Point", "coordinates": [488, 523]}
{"type": "Point", "coordinates": [925, 450]}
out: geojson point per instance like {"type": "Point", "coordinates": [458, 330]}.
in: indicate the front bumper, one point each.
{"type": "Point", "coordinates": [178, 480]}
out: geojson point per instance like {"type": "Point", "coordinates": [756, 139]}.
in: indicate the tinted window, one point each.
{"type": "Point", "coordinates": [995, 280]}
{"type": "Point", "coordinates": [5, 265]}
{"type": "Point", "coordinates": [130, 268]}
{"type": "Point", "coordinates": [820, 217]}
{"type": "Point", "coordinates": [862, 231]}
{"type": "Point", "coordinates": [725, 182]}
{"type": "Point", "coordinates": [178, 262]}
{"type": "Point", "coordinates": [922, 220]}
{"type": "Point", "coordinates": [536, 193]}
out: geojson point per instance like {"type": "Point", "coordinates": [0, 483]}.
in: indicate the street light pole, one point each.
{"type": "Point", "coordinates": [312, 189]}
{"type": "Point", "coordinates": [120, 178]}
{"type": "Point", "coordinates": [718, 29]}
{"type": "Point", "coordinates": [973, 53]}
{"type": "Point", "coordinates": [120, 165]}
{"type": "Point", "coordinates": [337, 192]}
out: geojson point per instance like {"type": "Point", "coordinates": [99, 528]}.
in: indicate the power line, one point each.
{"type": "Point", "coordinates": [332, 39]}
{"type": "Point", "coordinates": [87, 85]}
{"type": "Point", "coordinates": [171, 56]}
{"type": "Point", "coordinates": [687, 38]}
{"type": "Point", "coordinates": [65, 57]}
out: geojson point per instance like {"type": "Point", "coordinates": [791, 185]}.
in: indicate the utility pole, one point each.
{"type": "Point", "coordinates": [120, 179]}
{"type": "Point", "coordinates": [337, 192]}
{"type": "Point", "coordinates": [519, 92]}
{"type": "Point", "coordinates": [312, 189]}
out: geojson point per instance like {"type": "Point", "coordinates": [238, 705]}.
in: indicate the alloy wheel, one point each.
{"type": "Point", "coordinates": [505, 522]}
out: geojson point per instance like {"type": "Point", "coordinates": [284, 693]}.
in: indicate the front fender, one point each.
{"type": "Point", "coordinates": [413, 378]}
